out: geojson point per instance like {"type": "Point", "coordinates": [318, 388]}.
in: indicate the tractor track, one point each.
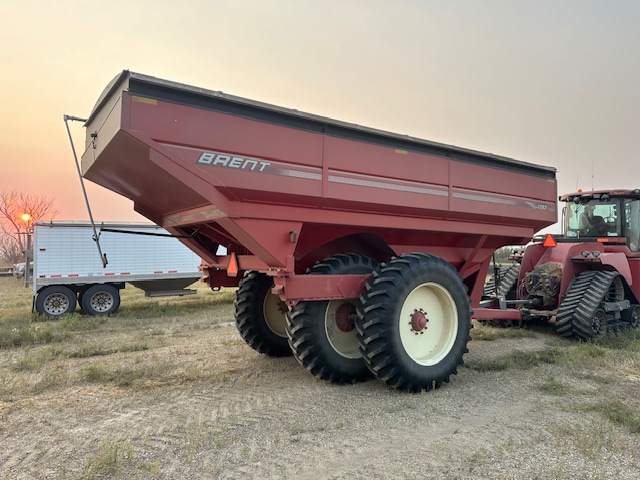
{"type": "Point", "coordinates": [575, 314]}
{"type": "Point", "coordinates": [508, 278]}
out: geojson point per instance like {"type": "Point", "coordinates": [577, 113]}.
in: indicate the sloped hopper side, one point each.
{"type": "Point", "coordinates": [171, 192]}
{"type": "Point", "coordinates": [167, 287]}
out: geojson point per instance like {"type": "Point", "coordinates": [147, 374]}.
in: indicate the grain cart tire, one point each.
{"type": "Point", "coordinates": [322, 334]}
{"type": "Point", "coordinates": [259, 316]}
{"type": "Point", "coordinates": [55, 301]}
{"type": "Point", "coordinates": [414, 322]}
{"type": "Point", "coordinates": [100, 300]}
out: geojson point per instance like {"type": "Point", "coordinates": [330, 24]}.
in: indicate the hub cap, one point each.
{"type": "Point", "coordinates": [428, 324]}
{"type": "Point", "coordinates": [339, 324]}
{"type": "Point", "coordinates": [56, 304]}
{"type": "Point", "coordinates": [101, 301]}
{"type": "Point", "coordinates": [272, 310]}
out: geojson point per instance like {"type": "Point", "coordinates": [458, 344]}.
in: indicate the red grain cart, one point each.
{"type": "Point", "coordinates": [358, 250]}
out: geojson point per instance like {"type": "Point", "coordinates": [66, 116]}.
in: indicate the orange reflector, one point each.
{"type": "Point", "coordinates": [611, 240]}
{"type": "Point", "coordinates": [232, 268]}
{"type": "Point", "coordinates": [549, 241]}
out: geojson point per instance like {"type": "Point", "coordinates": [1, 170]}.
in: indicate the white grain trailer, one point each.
{"type": "Point", "coordinates": [68, 270]}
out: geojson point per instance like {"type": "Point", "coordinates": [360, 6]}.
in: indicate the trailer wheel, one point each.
{"type": "Point", "coordinates": [55, 301]}
{"type": "Point", "coordinates": [260, 316]}
{"type": "Point", "coordinates": [322, 334]}
{"type": "Point", "coordinates": [100, 300]}
{"type": "Point", "coordinates": [414, 322]}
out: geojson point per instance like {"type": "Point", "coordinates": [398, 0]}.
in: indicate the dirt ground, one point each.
{"type": "Point", "coordinates": [235, 414]}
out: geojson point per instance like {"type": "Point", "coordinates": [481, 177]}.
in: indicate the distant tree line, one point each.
{"type": "Point", "coordinates": [18, 211]}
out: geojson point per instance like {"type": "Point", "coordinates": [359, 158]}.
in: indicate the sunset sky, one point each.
{"type": "Point", "coordinates": [546, 81]}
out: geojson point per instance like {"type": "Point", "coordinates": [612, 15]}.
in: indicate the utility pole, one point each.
{"type": "Point", "coordinates": [26, 217]}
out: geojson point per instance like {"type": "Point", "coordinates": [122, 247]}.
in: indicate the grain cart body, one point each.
{"type": "Point", "coordinates": [283, 190]}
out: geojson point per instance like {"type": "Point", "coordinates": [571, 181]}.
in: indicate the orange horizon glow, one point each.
{"type": "Point", "coordinates": [530, 80]}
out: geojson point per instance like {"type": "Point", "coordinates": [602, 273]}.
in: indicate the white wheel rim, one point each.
{"type": "Point", "coordinates": [273, 316]}
{"type": "Point", "coordinates": [340, 331]}
{"type": "Point", "coordinates": [56, 304]}
{"type": "Point", "coordinates": [429, 345]}
{"type": "Point", "coordinates": [101, 301]}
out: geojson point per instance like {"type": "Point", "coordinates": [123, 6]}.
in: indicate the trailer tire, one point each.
{"type": "Point", "coordinates": [414, 322]}
{"type": "Point", "coordinates": [322, 334]}
{"type": "Point", "coordinates": [259, 317]}
{"type": "Point", "coordinates": [100, 300]}
{"type": "Point", "coordinates": [55, 301]}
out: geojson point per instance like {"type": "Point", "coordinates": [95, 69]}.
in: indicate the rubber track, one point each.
{"type": "Point", "coordinates": [508, 278]}
{"type": "Point", "coordinates": [575, 315]}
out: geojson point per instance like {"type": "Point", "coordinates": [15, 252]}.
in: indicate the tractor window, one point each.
{"type": "Point", "coordinates": [593, 219]}
{"type": "Point", "coordinates": [632, 221]}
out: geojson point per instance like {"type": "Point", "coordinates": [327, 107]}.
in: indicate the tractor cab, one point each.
{"type": "Point", "coordinates": [610, 216]}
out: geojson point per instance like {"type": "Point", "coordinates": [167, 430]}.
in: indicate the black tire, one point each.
{"type": "Point", "coordinates": [258, 318]}
{"type": "Point", "coordinates": [403, 296]}
{"type": "Point", "coordinates": [322, 334]}
{"type": "Point", "coordinates": [55, 301]}
{"type": "Point", "coordinates": [100, 300]}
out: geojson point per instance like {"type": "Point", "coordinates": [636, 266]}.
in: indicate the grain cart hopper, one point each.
{"type": "Point", "coordinates": [588, 278]}
{"type": "Point", "coordinates": [357, 250]}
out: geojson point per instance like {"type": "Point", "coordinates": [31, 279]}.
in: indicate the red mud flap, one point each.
{"type": "Point", "coordinates": [496, 314]}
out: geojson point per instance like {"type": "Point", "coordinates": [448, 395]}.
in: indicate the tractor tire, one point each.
{"type": "Point", "coordinates": [322, 334]}
{"type": "Point", "coordinates": [55, 301]}
{"type": "Point", "coordinates": [259, 316]}
{"type": "Point", "coordinates": [414, 322]}
{"type": "Point", "coordinates": [100, 300]}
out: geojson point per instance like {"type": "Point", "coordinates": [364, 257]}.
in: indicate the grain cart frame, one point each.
{"type": "Point", "coordinates": [357, 250]}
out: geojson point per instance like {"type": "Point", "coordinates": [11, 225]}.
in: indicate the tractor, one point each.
{"type": "Point", "coordinates": [587, 278]}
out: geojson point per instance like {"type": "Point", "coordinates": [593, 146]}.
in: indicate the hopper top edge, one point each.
{"type": "Point", "coordinates": [128, 80]}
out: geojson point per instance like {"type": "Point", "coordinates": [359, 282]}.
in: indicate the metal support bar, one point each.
{"type": "Point", "coordinates": [129, 232]}
{"type": "Point", "coordinates": [96, 236]}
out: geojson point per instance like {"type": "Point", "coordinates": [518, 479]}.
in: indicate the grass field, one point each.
{"type": "Point", "coordinates": [158, 346]}
{"type": "Point", "coordinates": [36, 348]}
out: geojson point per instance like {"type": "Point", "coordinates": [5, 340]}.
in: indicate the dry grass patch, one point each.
{"type": "Point", "coordinates": [37, 354]}
{"type": "Point", "coordinates": [482, 331]}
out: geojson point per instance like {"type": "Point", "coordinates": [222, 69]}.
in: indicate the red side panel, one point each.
{"type": "Point", "coordinates": [289, 194]}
